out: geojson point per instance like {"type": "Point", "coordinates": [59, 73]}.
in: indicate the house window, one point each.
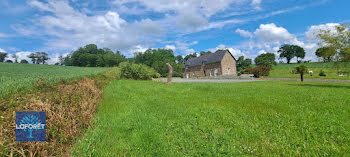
{"type": "Point", "coordinates": [187, 75]}
{"type": "Point", "coordinates": [211, 72]}
{"type": "Point", "coordinates": [216, 72]}
{"type": "Point", "coordinates": [228, 71]}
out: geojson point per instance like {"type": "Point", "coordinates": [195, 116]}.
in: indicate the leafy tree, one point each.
{"type": "Point", "coordinates": [180, 59]}
{"type": "Point", "coordinates": [326, 53]}
{"type": "Point", "coordinates": [15, 57]}
{"type": "Point", "coordinates": [3, 55]}
{"type": "Point", "coordinates": [33, 57]}
{"type": "Point", "coordinates": [42, 57]}
{"type": "Point", "coordinates": [9, 61]}
{"type": "Point", "coordinates": [23, 61]}
{"type": "Point", "coordinates": [290, 51]}
{"type": "Point", "coordinates": [302, 69]}
{"type": "Point", "coordinates": [157, 59]}
{"type": "Point", "coordinates": [267, 59]}
{"type": "Point", "coordinates": [189, 56]}
{"type": "Point", "coordinates": [202, 53]}
{"type": "Point", "coordinates": [91, 56]}
{"type": "Point", "coordinates": [243, 63]}
{"type": "Point", "coordinates": [340, 41]}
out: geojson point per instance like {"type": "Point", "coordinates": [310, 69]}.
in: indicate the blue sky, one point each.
{"type": "Point", "coordinates": [245, 27]}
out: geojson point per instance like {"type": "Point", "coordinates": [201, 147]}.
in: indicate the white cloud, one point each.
{"type": "Point", "coordinates": [312, 33]}
{"type": "Point", "coordinates": [256, 4]}
{"type": "Point", "coordinates": [2, 50]}
{"type": "Point", "coordinates": [188, 51]}
{"type": "Point", "coordinates": [172, 47]}
{"type": "Point", "coordinates": [70, 28]}
{"type": "Point", "coordinates": [272, 33]}
{"type": "Point", "coordinates": [244, 33]}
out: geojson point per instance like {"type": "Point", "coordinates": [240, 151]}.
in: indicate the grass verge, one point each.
{"type": "Point", "coordinates": [143, 118]}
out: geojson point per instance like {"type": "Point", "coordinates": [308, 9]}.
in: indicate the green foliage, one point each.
{"type": "Point", "coordinates": [267, 59]}
{"type": "Point", "coordinates": [23, 61]}
{"type": "Point", "coordinates": [243, 64]}
{"type": "Point", "coordinates": [180, 59]}
{"type": "Point", "coordinates": [189, 56]}
{"type": "Point", "coordinates": [270, 118]}
{"type": "Point", "coordinates": [340, 41]}
{"type": "Point", "coordinates": [330, 68]}
{"type": "Point", "coordinates": [39, 57]}
{"type": "Point", "coordinates": [3, 55]}
{"type": "Point", "coordinates": [302, 69]}
{"type": "Point", "coordinates": [20, 77]}
{"type": "Point", "coordinates": [326, 53]}
{"type": "Point", "coordinates": [322, 73]}
{"type": "Point", "coordinates": [157, 58]}
{"type": "Point", "coordinates": [9, 61]}
{"type": "Point", "coordinates": [290, 51]}
{"type": "Point", "coordinates": [137, 71]}
{"type": "Point", "coordinates": [91, 56]}
{"type": "Point", "coordinates": [202, 53]}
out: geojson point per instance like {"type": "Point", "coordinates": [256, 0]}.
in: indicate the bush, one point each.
{"type": "Point", "coordinates": [23, 61]}
{"type": "Point", "coordinates": [322, 73]}
{"type": "Point", "coordinates": [261, 70]}
{"type": "Point", "coordinates": [137, 71]}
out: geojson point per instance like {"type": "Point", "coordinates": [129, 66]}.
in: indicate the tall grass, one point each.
{"type": "Point", "coordinates": [19, 77]}
{"type": "Point", "coordinates": [141, 118]}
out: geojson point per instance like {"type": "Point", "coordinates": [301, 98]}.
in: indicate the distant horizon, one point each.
{"type": "Point", "coordinates": [245, 27]}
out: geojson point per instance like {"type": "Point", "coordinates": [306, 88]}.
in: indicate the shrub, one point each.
{"type": "Point", "coordinates": [23, 61]}
{"type": "Point", "coordinates": [137, 71]}
{"type": "Point", "coordinates": [261, 70]}
{"type": "Point", "coordinates": [322, 73]}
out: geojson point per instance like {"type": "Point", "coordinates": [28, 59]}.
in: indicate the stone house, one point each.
{"type": "Point", "coordinates": [220, 63]}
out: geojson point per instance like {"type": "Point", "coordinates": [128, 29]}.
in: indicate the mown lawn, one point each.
{"type": "Point", "coordinates": [20, 77]}
{"type": "Point", "coordinates": [143, 118]}
{"type": "Point", "coordinates": [285, 71]}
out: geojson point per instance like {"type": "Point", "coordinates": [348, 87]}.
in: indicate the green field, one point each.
{"type": "Point", "coordinates": [20, 77]}
{"type": "Point", "coordinates": [285, 71]}
{"type": "Point", "coordinates": [144, 118]}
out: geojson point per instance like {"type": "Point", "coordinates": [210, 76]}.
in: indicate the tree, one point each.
{"type": "Point", "coordinates": [42, 57]}
{"type": "Point", "coordinates": [23, 61]}
{"type": "Point", "coordinates": [91, 56]}
{"type": "Point", "coordinates": [299, 52]}
{"type": "Point", "coordinates": [267, 59]}
{"type": "Point", "coordinates": [243, 63]}
{"type": "Point", "coordinates": [180, 59]}
{"type": "Point", "coordinates": [9, 61]}
{"type": "Point", "coordinates": [202, 53]}
{"type": "Point", "coordinates": [290, 51]}
{"type": "Point", "coordinates": [15, 57]}
{"type": "Point", "coordinates": [302, 69]}
{"type": "Point", "coordinates": [3, 55]}
{"type": "Point", "coordinates": [60, 60]}
{"type": "Point", "coordinates": [340, 41]}
{"type": "Point", "coordinates": [33, 57]}
{"type": "Point", "coordinates": [189, 56]}
{"type": "Point", "coordinates": [326, 53]}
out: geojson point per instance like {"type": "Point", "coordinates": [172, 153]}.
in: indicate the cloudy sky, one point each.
{"type": "Point", "coordinates": [245, 27]}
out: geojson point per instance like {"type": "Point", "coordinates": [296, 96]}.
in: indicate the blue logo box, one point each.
{"type": "Point", "coordinates": [30, 126]}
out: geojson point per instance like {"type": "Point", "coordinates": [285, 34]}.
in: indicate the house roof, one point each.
{"type": "Point", "coordinates": [207, 59]}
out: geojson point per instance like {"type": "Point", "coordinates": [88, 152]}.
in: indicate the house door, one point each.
{"type": "Point", "coordinates": [228, 71]}
{"type": "Point", "coordinates": [187, 75]}
{"type": "Point", "coordinates": [216, 72]}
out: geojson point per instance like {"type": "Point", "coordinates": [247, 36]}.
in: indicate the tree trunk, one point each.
{"type": "Point", "coordinates": [302, 77]}
{"type": "Point", "coordinates": [170, 73]}
{"type": "Point", "coordinates": [288, 61]}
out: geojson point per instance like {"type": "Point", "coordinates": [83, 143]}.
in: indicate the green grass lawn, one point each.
{"type": "Point", "coordinates": [19, 77]}
{"type": "Point", "coordinates": [144, 118]}
{"type": "Point", "coordinates": [285, 71]}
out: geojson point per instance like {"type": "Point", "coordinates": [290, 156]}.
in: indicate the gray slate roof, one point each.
{"type": "Point", "coordinates": [207, 59]}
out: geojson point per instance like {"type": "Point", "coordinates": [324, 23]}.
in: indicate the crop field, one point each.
{"type": "Point", "coordinates": [285, 71]}
{"type": "Point", "coordinates": [271, 118]}
{"type": "Point", "coordinates": [20, 77]}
